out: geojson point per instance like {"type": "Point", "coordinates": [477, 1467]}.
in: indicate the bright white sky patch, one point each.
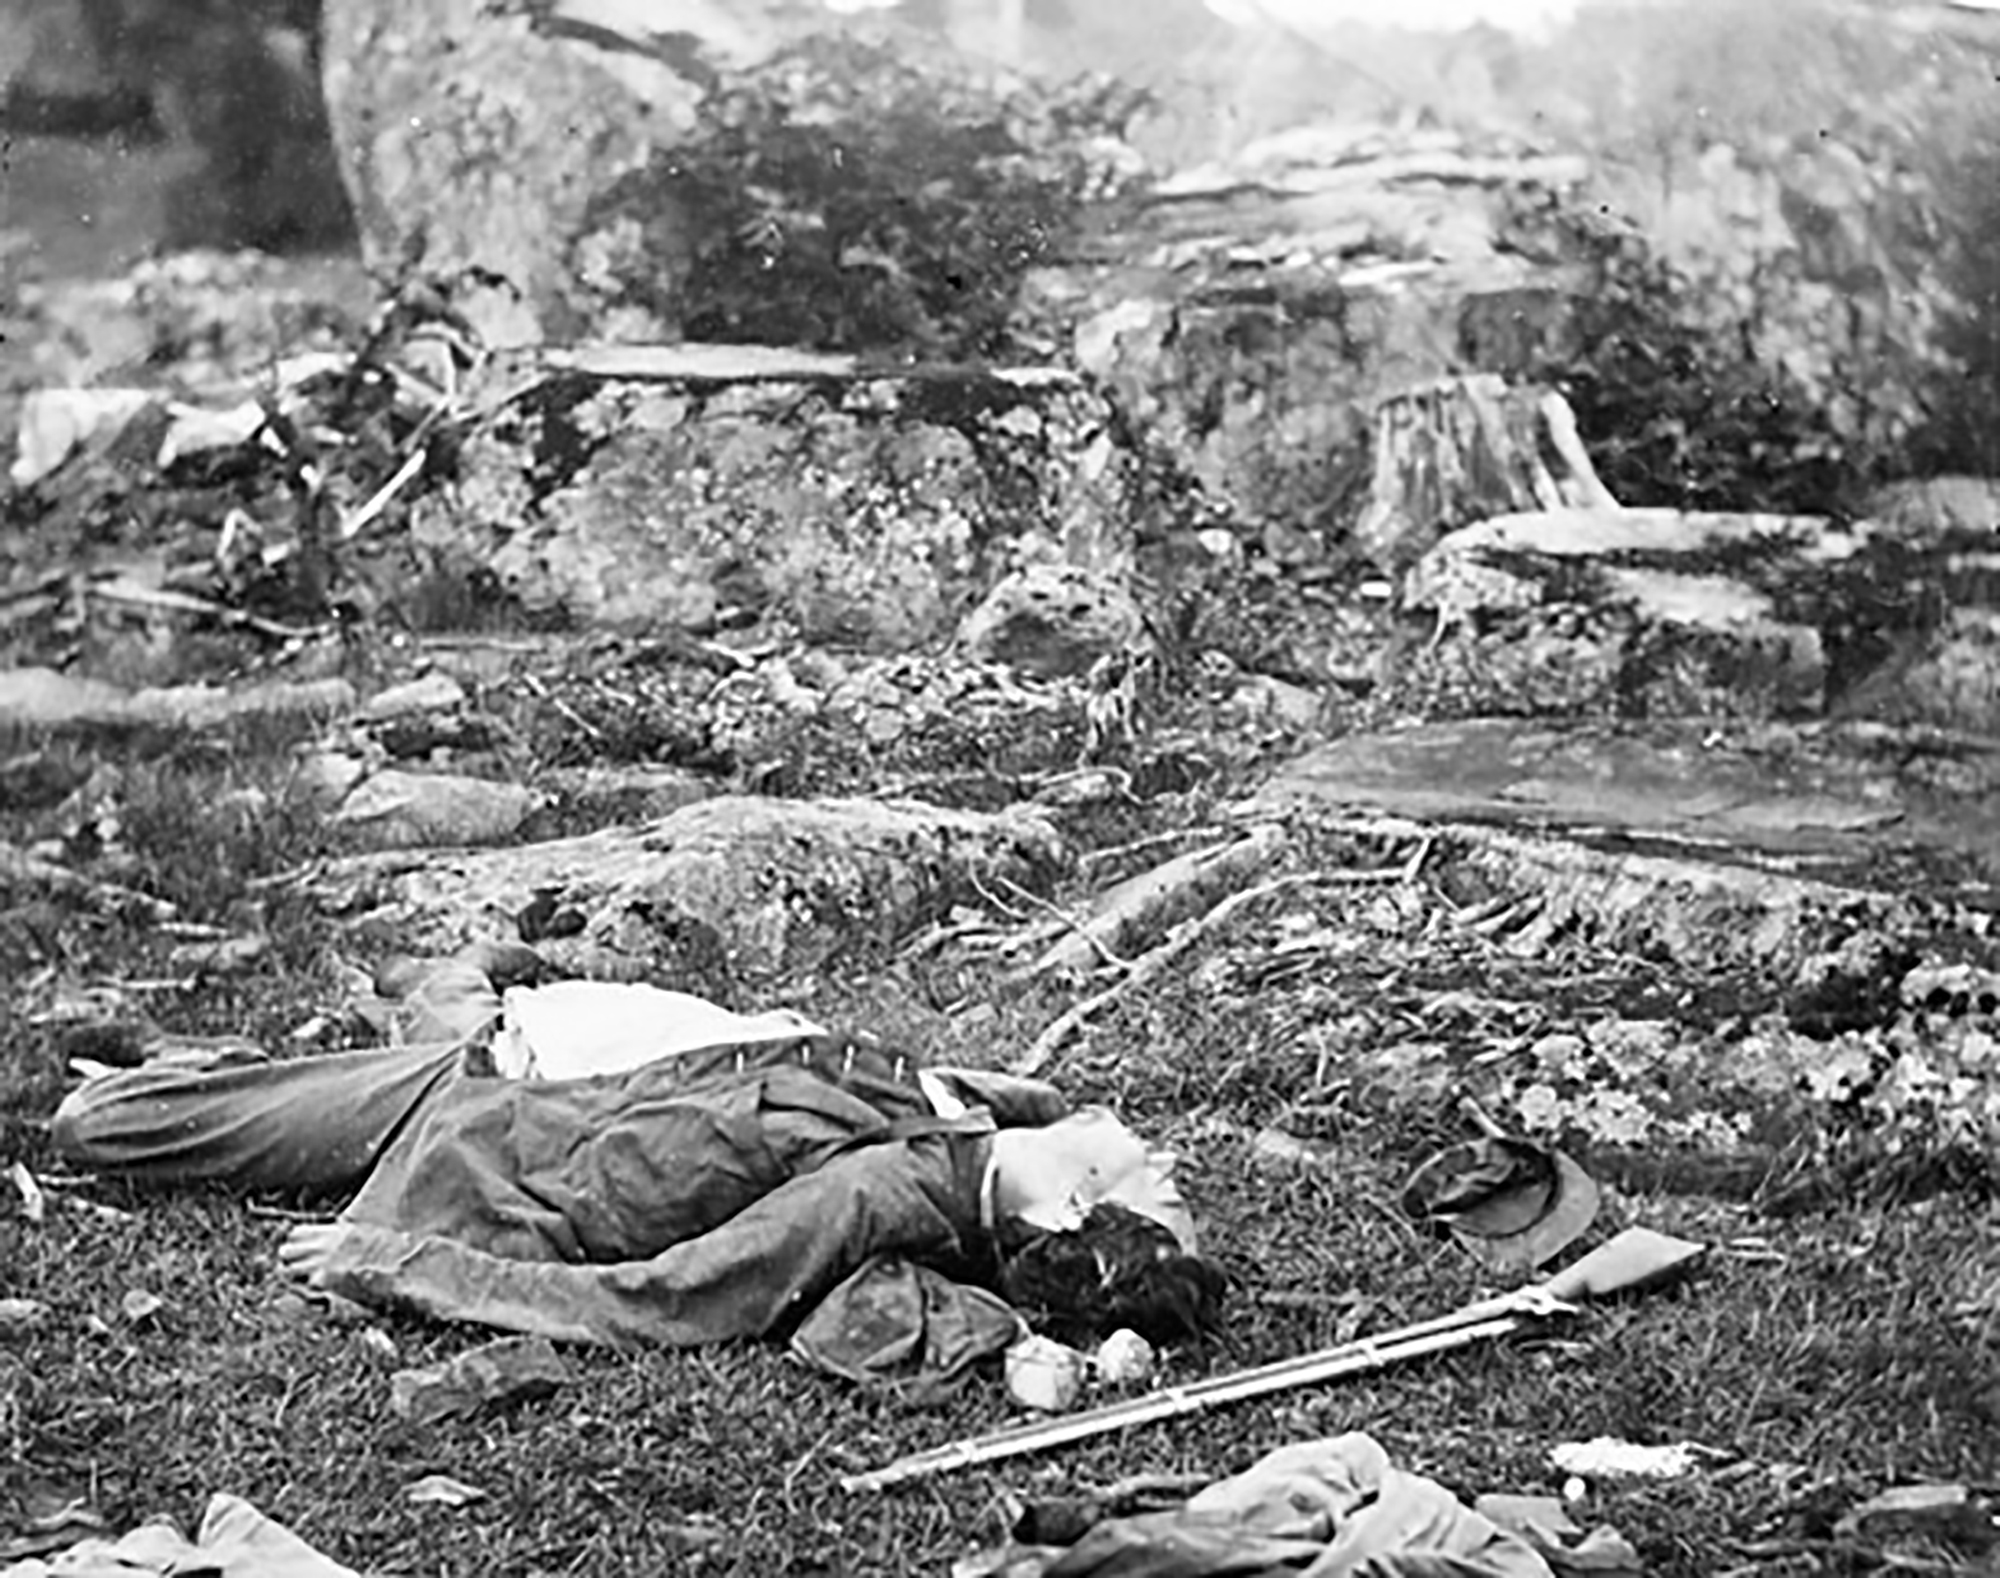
{"type": "Point", "coordinates": [1517, 16]}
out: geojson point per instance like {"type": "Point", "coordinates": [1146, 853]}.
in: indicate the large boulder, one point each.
{"type": "Point", "coordinates": [732, 887]}
{"type": "Point", "coordinates": [1053, 620]}
{"type": "Point", "coordinates": [474, 137]}
{"type": "Point", "coordinates": [860, 510]}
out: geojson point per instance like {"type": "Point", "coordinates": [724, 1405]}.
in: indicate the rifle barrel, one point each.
{"type": "Point", "coordinates": [1635, 1258]}
{"type": "Point", "coordinates": [1327, 1364]}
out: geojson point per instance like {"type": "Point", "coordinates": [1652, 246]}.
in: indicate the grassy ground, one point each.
{"type": "Point", "coordinates": [1823, 1357]}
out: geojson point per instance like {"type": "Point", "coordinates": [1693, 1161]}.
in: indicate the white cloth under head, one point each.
{"type": "Point", "coordinates": [575, 1029]}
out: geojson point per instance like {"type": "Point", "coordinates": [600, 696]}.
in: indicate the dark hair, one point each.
{"type": "Point", "coordinates": [1117, 1269]}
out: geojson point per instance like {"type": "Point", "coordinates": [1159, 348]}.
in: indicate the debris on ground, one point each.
{"type": "Point", "coordinates": [1606, 1457]}
{"type": "Point", "coordinates": [1123, 1359]}
{"type": "Point", "coordinates": [441, 1490]}
{"type": "Point", "coordinates": [1338, 1505]}
{"type": "Point", "coordinates": [1514, 1204]}
{"type": "Point", "coordinates": [1545, 1523]}
{"type": "Point", "coordinates": [19, 1317]}
{"type": "Point", "coordinates": [34, 1203]}
{"type": "Point", "coordinates": [1636, 1259]}
{"type": "Point", "coordinates": [897, 1324]}
{"type": "Point", "coordinates": [493, 1375]}
{"type": "Point", "coordinates": [1045, 1375]}
{"type": "Point", "coordinates": [1953, 1515]}
{"type": "Point", "coordinates": [235, 1540]}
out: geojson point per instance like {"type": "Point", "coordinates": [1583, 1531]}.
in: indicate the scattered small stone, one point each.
{"type": "Point", "coordinates": [432, 692]}
{"type": "Point", "coordinates": [251, 803]}
{"type": "Point", "coordinates": [34, 1204]}
{"type": "Point", "coordinates": [442, 1490]}
{"type": "Point", "coordinates": [1123, 1358]}
{"type": "Point", "coordinates": [543, 917]}
{"type": "Point", "coordinates": [513, 1369]}
{"type": "Point", "coordinates": [400, 810]}
{"type": "Point", "coordinates": [326, 778]}
{"type": "Point", "coordinates": [1262, 699]}
{"type": "Point", "coordinates": [229, 956]}
{"type": "Point", "coordinates": [55, 422]}
{"type": "Point", "coordinates": [1053, 620]}
{"type": "Point", "coordinates": [19, 1316]}
{"type": "Point", "coordinates": [1284, 1149]}
{"type": "Point", "coordinates": [1605, 1457]}
{"type": "Point", "coordinates": [1044, 1374]}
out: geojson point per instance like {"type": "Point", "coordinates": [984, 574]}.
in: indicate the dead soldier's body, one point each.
{"type": "Point", "coordinates": [708, 1175]}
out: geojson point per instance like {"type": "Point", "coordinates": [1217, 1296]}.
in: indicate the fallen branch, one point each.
{"type": "Point", "coordinates": [1183, 937]}
{"type": "Point", "coordinates": [39, 589]}
{"type": "Point", "coordinates": [132, 594]}
{"type": "Point", "coordinates": [1079, 930]}
{"type": "Point", "coordinates": [380, 500]}
{"type": "Point", "coordinates": [1148, 903]}
{"type": "Point", "coordinates": [1091, 860]}
{"type": "Point", "coordinates": [18, 866]}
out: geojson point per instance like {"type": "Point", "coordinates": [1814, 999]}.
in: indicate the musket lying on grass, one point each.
{"type": "Point", "coordinates": [1637, 1258]}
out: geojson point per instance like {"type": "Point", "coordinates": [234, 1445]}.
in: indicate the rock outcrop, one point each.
{"type": "Point", "coordinates": [713, 486]}
{"type": "Point", "coordinates": [733, 887]}
{"type": "Point", "coordinates": [473, 137]}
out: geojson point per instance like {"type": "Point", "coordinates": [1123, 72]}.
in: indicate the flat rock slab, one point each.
{"type": "Point", "coordinates": [1760, 852]}
{"type": "Point", "coordinates": [1678, 785]}
{"type": "Point", "coordinates": [1643, 613]}
{"type": "Point", "coordinates": [1659, 613]}
{"type": "Point", "coordinates": [742, 884]}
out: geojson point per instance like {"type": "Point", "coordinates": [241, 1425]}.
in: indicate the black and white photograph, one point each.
{"type": "Point", "coordinates": [999, 788]}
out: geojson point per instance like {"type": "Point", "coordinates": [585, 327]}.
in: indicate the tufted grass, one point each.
{"type": "Point", "coordinates": [1823, 1357]}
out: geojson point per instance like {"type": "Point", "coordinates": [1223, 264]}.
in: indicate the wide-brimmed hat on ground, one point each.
{"type": "Point", "coordinates": [1514, 1204]}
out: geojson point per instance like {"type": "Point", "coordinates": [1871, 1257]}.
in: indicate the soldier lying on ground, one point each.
{"type": "Point", "coordinates": [718, 1189]}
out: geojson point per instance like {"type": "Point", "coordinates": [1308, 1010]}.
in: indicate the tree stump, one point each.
{"type": "Point", "coordinates": [1462, 450]}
